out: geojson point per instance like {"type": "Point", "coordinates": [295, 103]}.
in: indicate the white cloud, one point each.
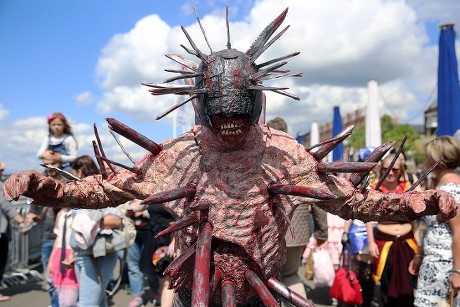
{"type": "Point", "coordinates": [84, 98]}
{"type": "Point", "coordinates": [3, 112]}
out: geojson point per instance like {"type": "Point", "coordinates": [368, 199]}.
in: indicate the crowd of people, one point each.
{"type": "Point", "coordinates": [415, 262]}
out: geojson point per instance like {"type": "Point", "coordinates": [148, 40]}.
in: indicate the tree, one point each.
{"type": "Point", "coordinates": [391, 131]}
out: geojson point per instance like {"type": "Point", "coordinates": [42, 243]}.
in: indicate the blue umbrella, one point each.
{"type": "Point", "coordinates": [448, 84]}
{"type": "Point", "coordinates": [336, 129]}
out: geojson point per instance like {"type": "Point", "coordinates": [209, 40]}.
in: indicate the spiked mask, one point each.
{"type": "Point", "coordinates": [228, 83]}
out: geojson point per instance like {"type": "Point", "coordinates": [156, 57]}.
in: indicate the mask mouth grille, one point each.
{"type": "Point", "coordinates": [233, 125]}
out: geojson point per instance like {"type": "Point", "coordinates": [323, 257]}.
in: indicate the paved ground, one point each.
{"type": "Point", "coordinates": [33, 294]}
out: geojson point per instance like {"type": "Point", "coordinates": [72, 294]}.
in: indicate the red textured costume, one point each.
{"type": "Point", "coordinates": [233, 185]}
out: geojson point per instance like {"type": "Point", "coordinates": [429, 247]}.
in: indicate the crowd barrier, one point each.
{"type": "Point", "coordinates": [24, 254]}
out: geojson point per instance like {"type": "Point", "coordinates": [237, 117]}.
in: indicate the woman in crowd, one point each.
{"type": "Point", "coordinates": [438, 261]}
{"type": "Point", "coordinates": [393, 244]}
{"type": "Point", "coordinates": [93, 266]}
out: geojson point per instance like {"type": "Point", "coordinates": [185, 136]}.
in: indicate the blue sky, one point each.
{"type": "Point", "coordinates": [87, 58]}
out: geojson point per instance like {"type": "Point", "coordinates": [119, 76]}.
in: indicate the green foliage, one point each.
{"type": "Point", "coordinates": [390, 132]}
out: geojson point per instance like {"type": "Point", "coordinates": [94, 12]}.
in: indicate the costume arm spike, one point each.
{"type": "Point", "coordinates": [99, 161]}
{"type": "Point", "coordinates": [183, 61]}
{"type": "Point", "coordinates": [345, 167]}
{"type": "Point", "coordinates": [330, 144]}
{"type": "Point", "coordinates": [131, 169]}
{"type": "Point", "coordinates": [392, 163]}
{"type": "Point", "coordinates": [99, 143]}
{"type": "Point", "coordinates": [295, 190]}
{"type": "Point", "coordinates": [173, 194]}
{"type": "Point", "coordinates": [178, 225]}
{"type": "Point", "coordinates": [228, 294]}
{"type": "Point", "coordinates": [417, 183]}
{"type": "Point", "coordinates": [60, 171]}
{"type": "Point", "coordinates": [200, 284]}
{"type": "Point", "coordinates": [133, 136]}
{"type": "Point", "coordinates": [121, 146]}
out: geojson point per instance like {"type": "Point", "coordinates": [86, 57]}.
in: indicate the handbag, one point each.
{"type": "Point", "coordinates": [346, 287]}
{"type": "Point", "coordinates": [323, 269]}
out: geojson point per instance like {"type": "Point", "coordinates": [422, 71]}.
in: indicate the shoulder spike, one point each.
{"type": "Point", "coordinates": [201, 27]}
{"type": "Point", "coordinates": [265, 35]}
{"type": "Point", "coordinates": [133, 136]}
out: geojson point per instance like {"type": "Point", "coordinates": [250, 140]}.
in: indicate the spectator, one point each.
{"type": "Point", "coordinates": [301, 227]}
{"type": "Point", "coordinates": [46, 215]}
{"type": "Point", "coordinates": [438, 261]}
{"type": "Point", "coordinates": [7, 212]}
{"type": "Point", "coordinates": [93, 270]}
{"type": "Point", "coordinates": [393, 245]}
{"type": "Point", "coordinates": [60, 145]}
{"type": "Point", "coordinates": [62, 259]}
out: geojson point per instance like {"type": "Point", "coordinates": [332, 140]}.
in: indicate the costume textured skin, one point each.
{"type": "Point", "coordinates": [232, 182]}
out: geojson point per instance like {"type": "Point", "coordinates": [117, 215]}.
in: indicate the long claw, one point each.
{"type": "Point", "coordinates": [346, 167]}
{"type": "Point", "coordinates": [258, 286]}
{"type": "Point", "coordinates": [289, 295]}
{"type": "Point", "coordinates": [182, 223]}
{"type": "Point", "coordinates": [200, 288]}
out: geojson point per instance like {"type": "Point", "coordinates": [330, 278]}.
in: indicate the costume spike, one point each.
{"type": "Point", "coordinates": [265, 35]}
{"type": "Point", "coordinates": [255, 77]}
{"type": "Point", "coordinates": [215, 281]}
{"type": "Point", "coordinates": [265, 47]}
{"type": "Point", "coordinates": [181, 268]}
{"type": "Point", "coordinates": [184, 76]}
{"type": "Point", "coordinates": [178, 225]}
{"type": "Point", "coordinates": [295, 97]}
{"type": "Point", "coordinates": [202, 29]}
{"type": "Point", "coordinates": [61, 172]}
{"type": "Point", "coordinates": [99, 143]}
{"type": "Point", "coordinates": [189, 51]}
{"type": "Point", "coordinates": [288, 221]}
{"type": "Point", "coordinates": [201, 272]}
{"type": "Point", "coordinates": [390, 166]}
{"type": "Point", "coordinates": [183, 61]}
{"type": "Point", "coordinates": [296, 190]}
{"type": "Point", "coordinates": [169, 195]}
{"type": "Point", "coordinates": [99, 161]}
{"type": "Point", "coordinates": [345, 167]}
{"type": "Point", "coordinates": [417, 183]}
{"type": "Point", "coordinates": [121, 146]}
{"type": "Point", "coordinates": [229, 45]}
{"type": "Point", "coordinates": [330, 144]}
{"type": "Point", "coordinates": [375, 156]}
{"type": "Point", "coordinates": [175, 107]}
{"type": "Point", "coordinates": [346, 131]}
{"type": "Point", "coordinates": [133, 136]}
{"type": "Point", "coordinates": [131, 169]}
{"type": "Point", "coordinates": [228, 294]}
{"type": "Point", "coordinates": [183, 71]}
{"type": "Point", "coordinates": [199, 54]}
{"type": "Point", "coordinates": [265, 88]}
{"type": "Point", "coordinates": [282, 75]}
{"type": "Point", "coordinates": [259, 287]}
{"type": "Point", "coordinates": [287, 294]}
{"type": "Point", "coordinates": [162, 89]}
{"type": "Point", "coordinates": [278, 59]}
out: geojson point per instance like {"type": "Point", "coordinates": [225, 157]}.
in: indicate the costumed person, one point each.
{"type": "Point", "coordinates": [60, 145]}
{"type": "Point", "coordinates": [232, 184]}
{"type": "Point", "coordinates": [392, 244]}
{"type": "Point", "coordinates": [299, 238]}
{"type": "Point", "coordinates": [437, 262]}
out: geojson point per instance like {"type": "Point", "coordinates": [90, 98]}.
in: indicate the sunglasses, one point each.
{"type": "Point", "coordinates": [394, 169]}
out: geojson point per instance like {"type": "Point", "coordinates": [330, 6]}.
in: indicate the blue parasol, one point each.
{"type": "Point", "coordinates": [336, 129]}
{"type": "Point", "coordinates": [448, 84]}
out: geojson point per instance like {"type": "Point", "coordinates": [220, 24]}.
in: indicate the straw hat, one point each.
{"type": "Point", "coordinates": [2, 165]}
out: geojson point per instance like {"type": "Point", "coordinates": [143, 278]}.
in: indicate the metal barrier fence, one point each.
{"type": "Point", "coordinates": [24, 251]}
